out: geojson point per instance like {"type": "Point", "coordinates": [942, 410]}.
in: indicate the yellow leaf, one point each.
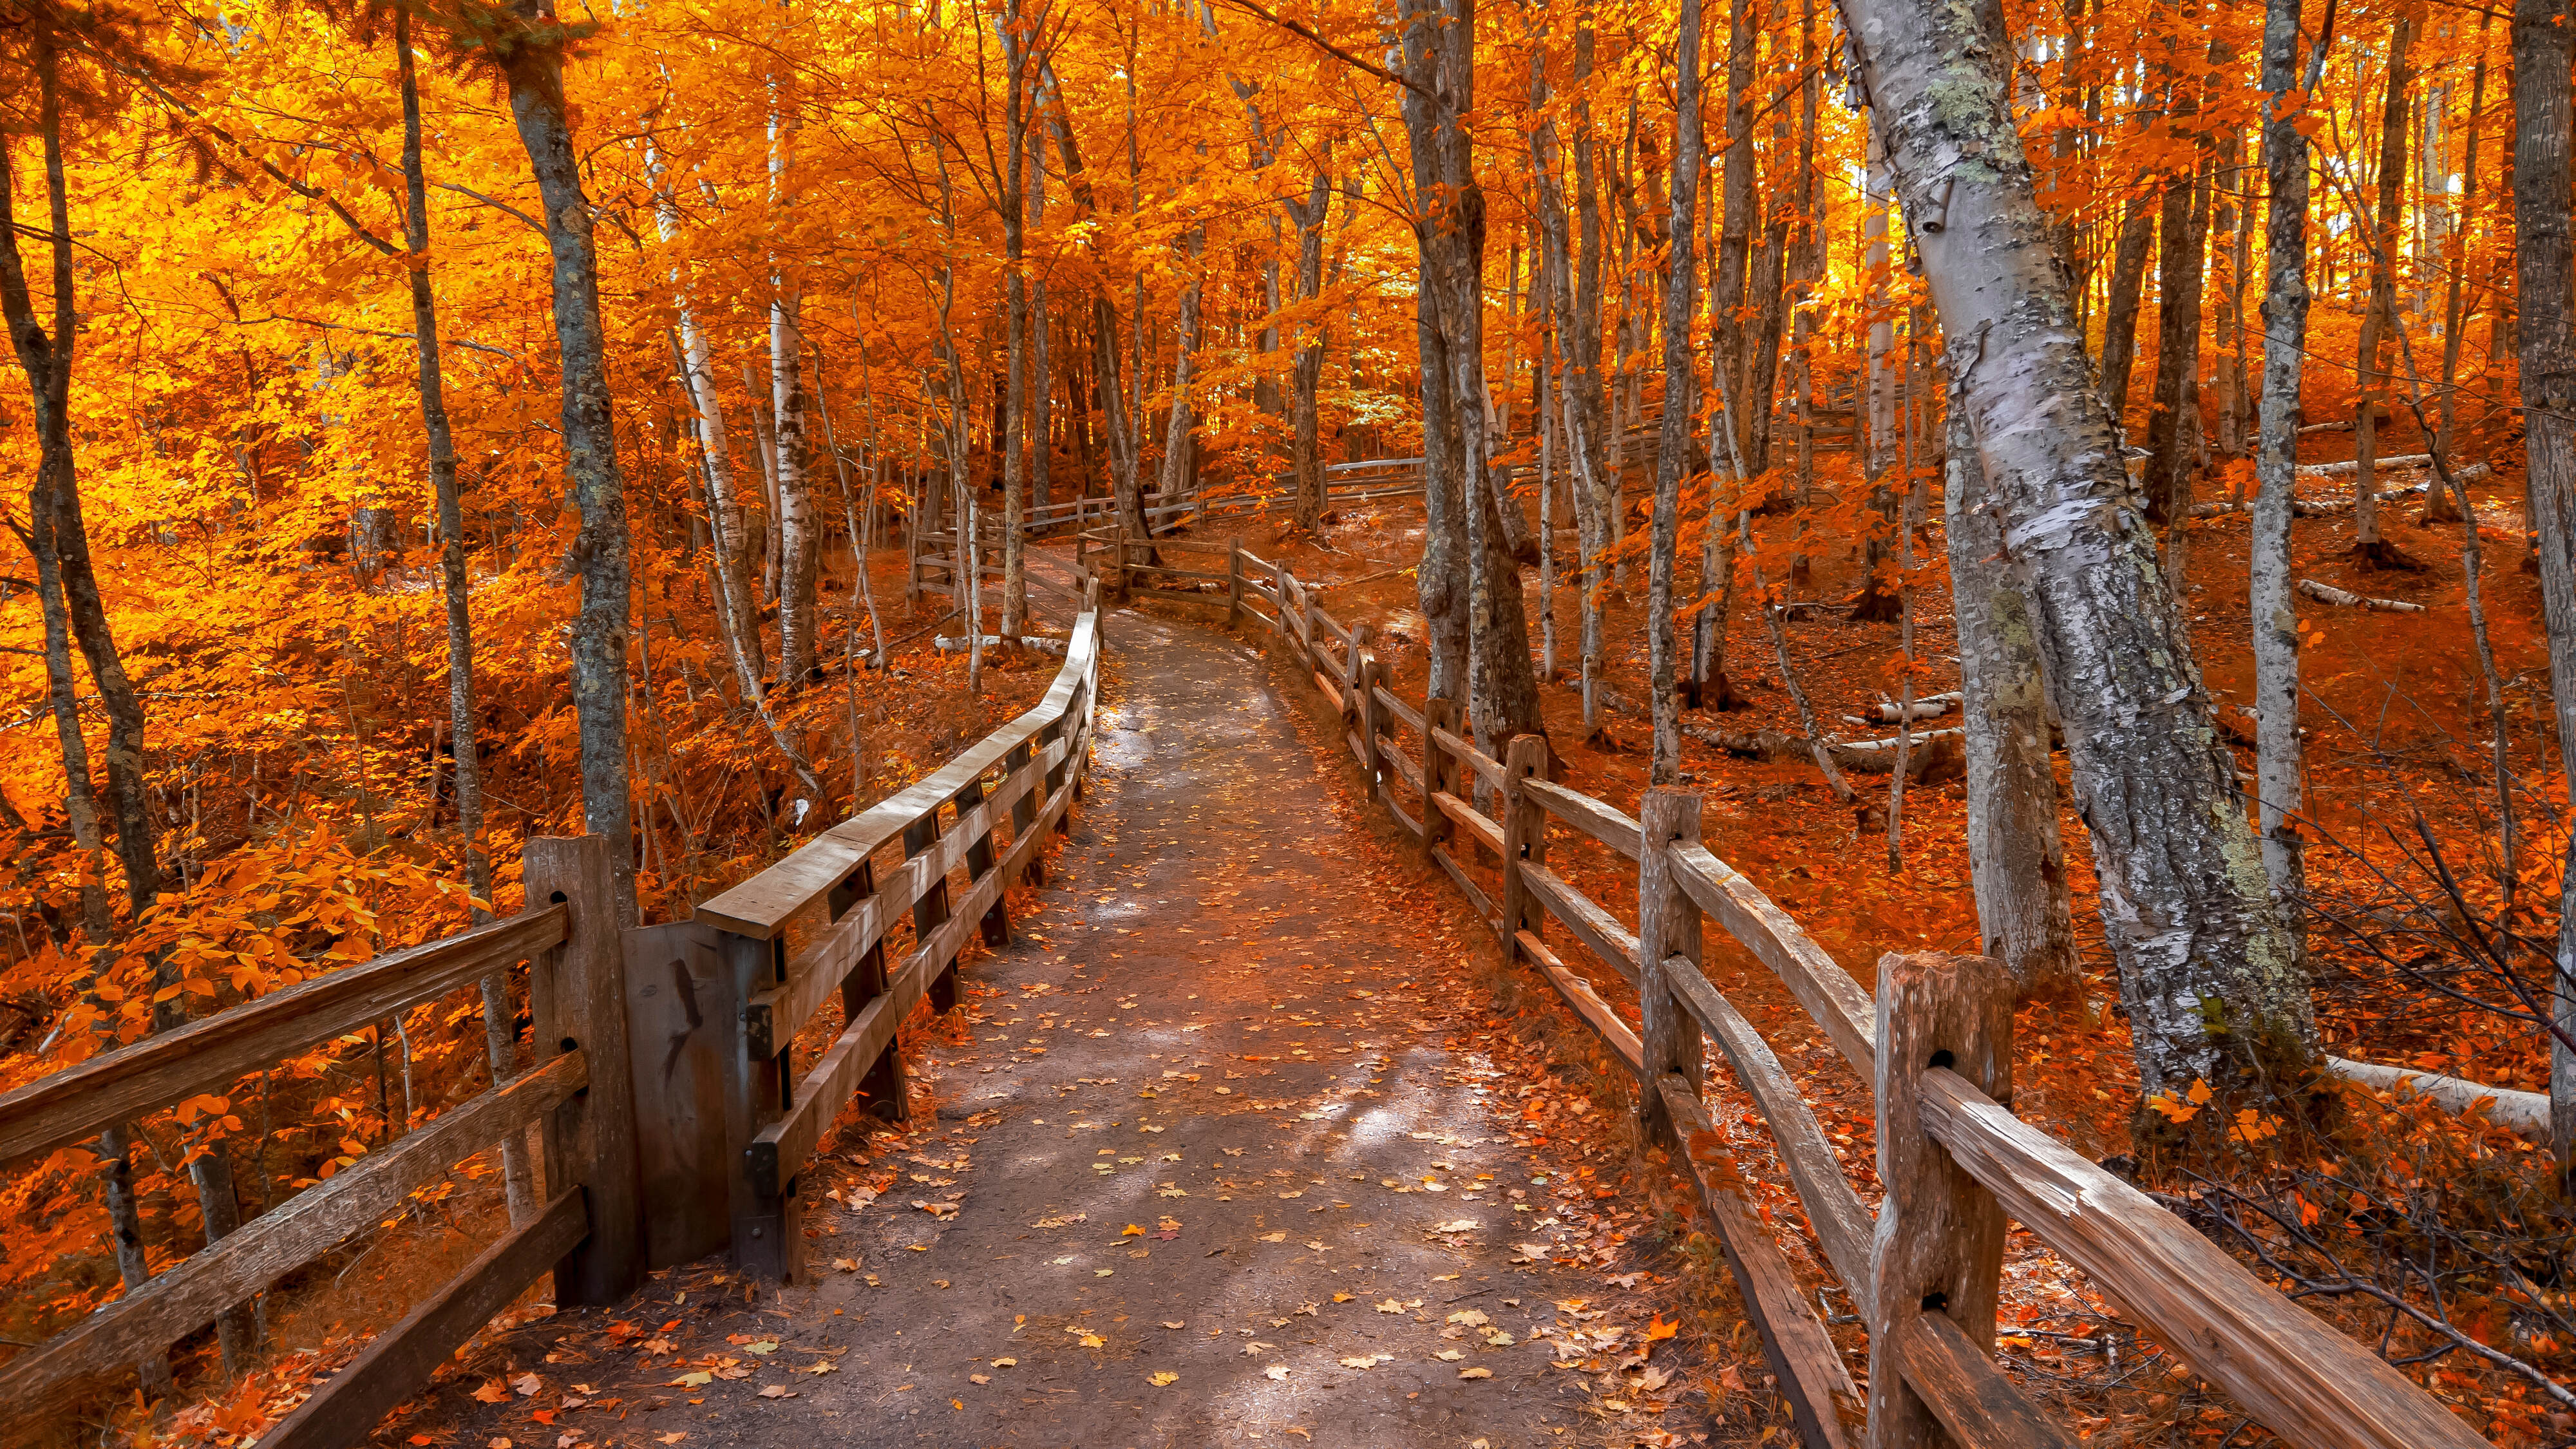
{"type": "Point", "coordinates": [1160, 1379]}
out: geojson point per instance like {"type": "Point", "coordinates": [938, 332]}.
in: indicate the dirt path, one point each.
{"type": "Point", "coordinates": [1219, 1158]}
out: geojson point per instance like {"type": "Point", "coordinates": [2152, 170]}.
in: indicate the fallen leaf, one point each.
{"type": "Point", "coordinates": [820, 1366]}
{"type": "Point", "coordinates": [1660, 1329]}
{"type": "Point", "coordinates": [1274, 1237]}
{"type": "Point", "coordinates": [1277, 1373]}
{"type": "Point", "coordinates": [527, 1385]}
{"type": "Point", "coordinates": [766, 1345]}
{"type": "Point", "coordinates": [1449, 1355]}
{"type": "Point", "coordinates": [1476, 1373]}
{"type": "Point", "coordinates": [777, 1391]}
{"type": "Point", "coordinates": [1390, 1306]}
{"type": "Point", "coordinates": [675, 1436]}
{"type": "Point", "coordinates": [1132, 1230]}
{"type": "Point", "coordinates": [1368, 1361]}
{"type": "Point", "coordinates": [692, 1381]}
{"type": "Point", "coordinates": [979, 1378]}
{"type": "Point", "coordinates": [493, 1392]}
{"type": "Point", "coordinates": [1457, 1225]}
{"type": "Point", "coordinates": [845, 1265]}
{"type": "Point", "coordinates": [1006, 1363]}
{"type": "Point", "coordinates": [1160, 1379]}
{"type": "Point", "coordinates": [1472, 1317]}
{"type": "Point", "coordinates": [1167, 1323]}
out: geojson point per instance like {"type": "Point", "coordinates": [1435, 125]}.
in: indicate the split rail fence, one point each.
{"type": "Point", "coordinates": [671, 1118]}
{"type": "Point", "coordinates": [1935, 1040]}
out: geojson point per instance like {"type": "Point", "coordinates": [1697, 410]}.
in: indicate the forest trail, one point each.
{"type": "Point", "coordinates": [1208, 1167]}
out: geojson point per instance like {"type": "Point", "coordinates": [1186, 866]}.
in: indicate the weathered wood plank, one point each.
{"type": "Point", "coordinates": [213, 1051]}
{"type": "Point", "coordinates": [578, 998]}
{"type": "Point", "coordinates": [1842, 1225]}
{"type": "Point", "coordinates": [345, 1410]}
{"type": "Point", "coordinates": [679, 1023]}
{"type": "Point", "coordinates": [1588, 815]}
{"type": "Point", "coordinates": [1412, 717]}
{"type": "Point", "coordinates": [1828, 992]}
{"type": "Point", "coordinates": [783, 1146]}
{"type": "Point", "coordinates": [2298, 1377]}
{"type": "Point", "coordinates": [761, 906]}
{"type": "Point", "coordinates": [1475, 759]}
{"type": "Point", "coordinates": [1587, 1003]}
{"type": "Point", "coordinates": [1598, 930]}
{"type": "Point", "coordinates": [814, 975]}
{"type": "Point", "coordinates": [1386, 793]}
{"type": "Point", "coordinates": [1524, 838]}
{"type": "Point", "coordinates": [1939, 1244]}
{"type": "Point", "coordinates": [1822, 1398]}
{"type": "Point", "coordinates": [1473, 821]}
{"type": "Point", "coordinates": [187, 1296]}
{"type": "Point", "coordinates": [1979, 1406]}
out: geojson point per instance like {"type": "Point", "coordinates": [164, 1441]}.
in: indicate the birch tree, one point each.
{"type": "Point", "coordinates": [2207, 973]}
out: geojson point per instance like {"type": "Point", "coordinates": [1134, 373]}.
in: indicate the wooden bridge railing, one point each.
{"type": "Point", "coordinates": [1935, 1040]}
{"type": "Point", "coordinates": [587, 1231]}
{"type": "Point", "coordinates": [704, 1120]}
{"type": "Point", "coordinates": [727, 1128]}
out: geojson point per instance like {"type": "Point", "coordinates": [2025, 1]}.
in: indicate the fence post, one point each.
{"type": "Point", "coordinates": [1234, 580]}
{"type": "Point", "coordinates": [1439, 773]}
{"type": "Point", "coordinates": [1370, 718]}
{"type": "Point", "coordinates": [1524, 839]}
{"type": "Point", "coordinates": [1940, 1242]}
{"type": "Point", "coordinates": [1081, 550]}
{"type": "Point", "coordinates": [1668, 925]}
{"type": "Point", "coordinates": [996, 923]}
{"type": "Point", "coordinates": [577, 1002]}
{"type": "Point", "coordinates": [1024, 809]}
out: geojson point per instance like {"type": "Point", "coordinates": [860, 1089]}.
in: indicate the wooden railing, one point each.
{"type": "Point", "coordinates": [1936, 1042]}
{"type": "Point", "coordinates": [727, 1122]}
{"type": "Point", "coordinates": [586, 1232]}
{"type": "Point", "coordinates": [704, 1121]}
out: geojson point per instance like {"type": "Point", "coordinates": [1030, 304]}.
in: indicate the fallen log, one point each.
{"type": "Point", "coordinates": [2523, 1113]}
{"type": "Point", "coordinates": [2325, 593]}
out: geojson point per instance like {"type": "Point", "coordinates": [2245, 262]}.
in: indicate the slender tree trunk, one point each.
{"type": "Point", "coordinates": [1306, 459]}
{"type": "Point", "coordinates": [1015, 248]}
{"type": "Point", "coordinates": [2371, 395]}
{"type": "Point", "coordinates": [1875, 422]}
{"type": "Point", "coordinates": [2171, 427]}
{"type": "Point", "coordinates": [464, 736]}
{"type": "Point", "coordinates": [1672, 451]}
{"type": "Point", "coordinates": [2208, 973]}
{"type": "Point", "coordinates": [590, 446]}
{"type": "Point", "coordinates": [1805, 265]}
{"type": "Point", "coordinates": [2269, 600]}
{"type": "Point", "coordinates": [800, 531]}
{"type": "Point", "coordinates": [1041, 390]}
{"type": "Point", "coordinates": [1441, 583]}
{"type": "Point", "coordinates": [2546, 328]}
{"type": "Point", "coordinates": [1588, 425]}
{"type": "Point", "coordinates": [2120, 314]}
{"type": "Point", "coordinates": [2456, 258]}
{"type": "Point", "coordinates": [2016, 858]}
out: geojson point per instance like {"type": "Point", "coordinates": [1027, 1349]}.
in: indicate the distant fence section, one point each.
{"type": "Point", "coordinates": [1935, 1040]}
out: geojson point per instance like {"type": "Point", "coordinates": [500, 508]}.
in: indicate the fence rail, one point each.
{"type": "Point", "coordinates": [588, 1235]}
{"type": "Point", "coordinates": [1935, 1041]}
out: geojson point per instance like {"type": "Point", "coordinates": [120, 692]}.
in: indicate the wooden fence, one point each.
{"type": "Point", "coordinates": [1936, 1042]}
{"type": "Point", "coordinates": [704, 1120]}
{"type": "Point", "coordinates": [587, 1230]}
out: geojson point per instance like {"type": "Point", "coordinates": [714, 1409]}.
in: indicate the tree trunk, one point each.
{"type": "Point", "coordinates": [2120, 316]}
{"type": "Point", "coordinates": [2371, 392]}
{"type": "Point", "coordinates": [2546, 329]}
{"type": "Point", "coordinates": [1015, 323]}
{"type": "Point", "coordinates": [2285, 341]}
{"type": "Point", "coordinates": [2208, 975]}
{"type": "Point", "coordinates": [1586, 420]}
{"type": "Point", "coordinates": [1442, 583]}
{"type": "Point", "coordinates": [500, 1036]}
{"type": "Point", "coordinates": [1042, 381]}
{"type": "Point", "coordinates": [1875, 423]}
{"type": "Point", "coordinates": [2017, 860]}
{"type": "Point", "coordinates": [599, 553]}
{"type": "Point", "coordinates": [2171, 429]}
{"type": "Point", "coordinates": [1306, 459]}
{"type": "Point", "coordinates": [1672, 450]}
{"type": "Point", "coordinates": [800, 532]}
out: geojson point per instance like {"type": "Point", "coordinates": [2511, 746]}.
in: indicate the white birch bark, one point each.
{"type": "Point", "coordinates": [2208, 974]}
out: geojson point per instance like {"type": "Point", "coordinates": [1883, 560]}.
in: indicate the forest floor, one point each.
{"type": "Point", "coordinates": [1230, 1144]}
